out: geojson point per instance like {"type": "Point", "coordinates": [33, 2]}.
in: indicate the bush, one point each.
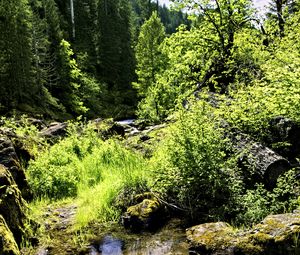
{"type": "Point", "coordinates": [258, 203]}
{"type": "Point", "coordinates": [191, 168]}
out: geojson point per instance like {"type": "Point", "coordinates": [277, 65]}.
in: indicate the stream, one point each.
{"type": "Point", "coordinates": [168, 240]}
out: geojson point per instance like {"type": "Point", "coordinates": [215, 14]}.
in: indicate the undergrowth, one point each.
{"type": "Point", "coordinates": [90, 170]}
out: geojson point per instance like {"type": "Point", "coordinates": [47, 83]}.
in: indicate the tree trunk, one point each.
{"type": "Point", "coordinates": [72, 18]}
{"type": "Point", "coordinates": [258, 162]}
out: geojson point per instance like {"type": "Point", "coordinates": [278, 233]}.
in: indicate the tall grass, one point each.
{"type": "Point", "coordinates": [90, 170]}
{"type": "Point", "coordinates": [119, 170]}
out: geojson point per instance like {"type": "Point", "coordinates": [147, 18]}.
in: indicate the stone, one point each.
{"type": "Point", "coordinates": [149, 214]}
{"type": "Point", "coordinates": [8, 245]}
{"type": "Point", "coordinates": [12, 205]}
{"type": "Point", "coordinates": [9, 159]}
{"type": "Point", "coordinates": [275, 235]}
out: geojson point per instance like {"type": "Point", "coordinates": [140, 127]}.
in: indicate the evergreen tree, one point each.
{"type": "Point", "coordinates": [16, 84]}
{"type": "Point", "coordinates": [148, 54]}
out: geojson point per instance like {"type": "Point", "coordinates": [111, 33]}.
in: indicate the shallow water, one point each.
{"type": "Point", "coordinates": [126, 122]}
{"type": "Point", "coordinates": [169, 240]}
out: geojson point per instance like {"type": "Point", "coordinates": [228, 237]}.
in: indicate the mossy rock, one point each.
{"type": "Point", "coordinates": [8, 245]}
{"type": "Point", "coordinates": [149, 214]}
{"type": "Point", "coordinates": [12, 205]}
{"type": "Point", "coordinates": [10, 159]}
{"type": "Point", "coordinates": [276, 235]}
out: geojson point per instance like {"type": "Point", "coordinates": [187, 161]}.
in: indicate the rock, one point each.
{"type": "Point", "coordinates": [276, 235]}
{"type": "Point", "coordinates": [8, 245]}
{"type": "Point", "coordinates": [12, 205]}
{"type": "Point", "coordinates": [210, 238]}
{"type": "Point", "coordinates": [9, 158]}
{"type": "Point", "coordinates": [144, 138]}
{"type": "Point", "coordinates": [18, 142]}
{"type": "Point", "coordinates": [116, 129]}
{"type": "Point", "coordinates": [149, 214]}
{"type": "Point", "coordinates": [108, 128]}
{"type": "Point", "coordinates": [55, 130]}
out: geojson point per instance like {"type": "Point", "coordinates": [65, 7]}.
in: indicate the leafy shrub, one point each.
{"type": "Point", "coordinates": [258, 203]}
{"type": "Point", "coordinates": [191, 168]}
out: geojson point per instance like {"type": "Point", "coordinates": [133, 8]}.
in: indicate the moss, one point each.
{"type": "Point", "coordinates": [8, 245]}
{"type": "Point", "coordinates": [144, 209]}
{"type": "Point", "coordinates": [212, 236]}
{"type": "Point", "coordinates": [12, 205]}
{"type": "Point", "coordinates": [245, 246]}
{"type": "Point", "coordinates": [276, 235]}
{"type": "Point", "coordinates": [261, 238]}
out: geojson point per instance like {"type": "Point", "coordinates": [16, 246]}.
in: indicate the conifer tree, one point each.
{"type": "Point", "coordinates": [16, 85]}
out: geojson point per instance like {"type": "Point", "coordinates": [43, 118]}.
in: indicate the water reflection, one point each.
{"type": "Point", "coordinates": [168, 241]}
{"type": "Point", "coordinates": [108, 246]}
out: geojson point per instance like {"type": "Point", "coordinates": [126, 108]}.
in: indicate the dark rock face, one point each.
{"type": "Point", "coordinates": [9, 158]}
{"type": "Point", "coordinates": [8, 245]}
{"type": "Point", "coordinates": [276, 235]}
{"type": "Point", "coordinates": [149, 214]}
{"type": "Point", "coordinates": [12, 205]}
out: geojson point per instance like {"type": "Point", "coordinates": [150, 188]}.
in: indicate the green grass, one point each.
{"type": "Point", "coordinates": [91, 171]}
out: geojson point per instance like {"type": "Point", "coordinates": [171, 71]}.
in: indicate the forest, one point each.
{"type": "Point", "coordinates": [131, 127]}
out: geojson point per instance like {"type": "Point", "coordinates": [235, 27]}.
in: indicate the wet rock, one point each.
{"type": "Point", "coordinates": [108, 128]}
{"type": "Point", "coordinates": [116, 129]}
{"type": "Point", "coordinates": [12, 205]}
{"type": "Point", "coordinates": [276, 235]}
{"type": "Point", "coordinates": [8, 245]}
{"type": "Point", "coordinates": [9, 158]}
{"type": "Point", "coordinates": [55, 130]}
{"type": "Point", "coordinates": [148, 214]}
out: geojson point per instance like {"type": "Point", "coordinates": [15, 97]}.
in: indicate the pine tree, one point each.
{"type": "Point", "coordinates": [16, 85]}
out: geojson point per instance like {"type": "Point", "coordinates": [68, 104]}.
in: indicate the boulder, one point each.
{"type": "Point", "coordinates": [108, 128]}
{"type": "Point", "coordinates": [148, 214]}
{"type": "Point", "coordinates": [275, 235]}
{"type": "Point", "coordinates": [12, 205]}
{"type": "Point", "coordinates": [9, 159]}
{"type": "Point", "coordinates": [8, 245]}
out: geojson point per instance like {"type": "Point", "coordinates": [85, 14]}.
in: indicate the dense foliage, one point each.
{"type": "Point", "coordinates": [68, 58]}
{"type": "Point", "coordinates": [223, 69]}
